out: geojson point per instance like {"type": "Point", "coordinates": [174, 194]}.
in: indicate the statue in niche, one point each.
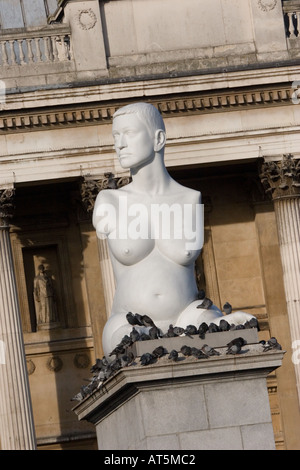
{"type": "Point", "coordinates": [44, 298]}
{"type": "Point", "coordinates": [155, 232]}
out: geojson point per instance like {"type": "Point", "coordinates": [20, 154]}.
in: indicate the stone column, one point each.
{"type": "Point", "coordinates": [16, 418]}
{"type": "Point", "coordinates": [89, 191]}
{"type": "Point", "coordinates": [281, 179]}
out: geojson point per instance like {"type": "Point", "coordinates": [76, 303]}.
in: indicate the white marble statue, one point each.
{"type": "Point", "coordinates": [155, 232]}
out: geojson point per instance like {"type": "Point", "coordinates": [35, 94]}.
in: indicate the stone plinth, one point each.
{"type": "Point", "coordinates": [216, 403]}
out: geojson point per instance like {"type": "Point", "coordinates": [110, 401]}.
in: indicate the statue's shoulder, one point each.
{"type": "Point", "coordinates": [188, 194]}
{"type": "Point", "coordinates": [108, 196]}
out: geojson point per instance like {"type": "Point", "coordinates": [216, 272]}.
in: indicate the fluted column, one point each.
{"type": "Point", "coordinates": [16, 418]}
{"type": "Point", "coordinates": [281, 179]}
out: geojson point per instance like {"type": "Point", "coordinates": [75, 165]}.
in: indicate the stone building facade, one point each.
{"type": "Point", "coordinates": [225, 76]}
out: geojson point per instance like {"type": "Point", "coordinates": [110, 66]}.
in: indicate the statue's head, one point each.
{"type": "Point", "coordinates": [139, 134]}
{"type": "Point", "coordinates": [147, 113]}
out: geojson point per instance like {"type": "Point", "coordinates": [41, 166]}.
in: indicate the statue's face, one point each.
{"type": "Point", "coordinates": [133, 144]}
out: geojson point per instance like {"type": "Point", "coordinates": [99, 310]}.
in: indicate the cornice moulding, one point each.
{"type": "Point", "coordinates": [101, 113]}
{"type": "Point", "coordinates": [121, 89]}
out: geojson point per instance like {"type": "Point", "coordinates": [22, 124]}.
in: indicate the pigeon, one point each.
{"type": "Point", "coordinates": [173, 355]}
{"type": "Point", "coordinates": [199, 354]}
{"type": "Point", "coordinates": [126, 341]}
{"type": "Point", "coordinates": [213, 328]}
{"type": "Point", "coordinates": [252, 323]}
{"type": "Point", "coordinates": [186, 350]}
{"type": "Point", "coordinates": [134, 335]}
{"type": "Point", "coordinates": [209, 351]}
{"type": "Point", "coordinates": [272, 343]}
{"type": "Point", "coordinates": [119, 349]}
{"type": "Point", "coordinates": [147, 321]}
{"type": "Point", "coordinates": [227, 308]}
{"type": "Point", "coordinates": [235, 346]}
{"type": "Point", "coordinates": [159, 351]}
{"type": "Point", "coordinates": [97, 366]}
{"type": "Point", "coordinates": [85, 390]}
{"type": "Point", "coordinates": [147, 358]}
{"type": "Point", "coordinates": [203, 328]}
{"type": "Point", "coordinates": [144, 337]}
{"type": "Point", "coordinates": [224, 325]}
{"type": "Point", "coordinates": [78, 397]}
{"type": "Point", "coordinates": [154, 332]}
{"type": "Point", "coordinates": [170, 333]}
{"type": "Point", "coordinates": [178, 330]}
{"type": "Point", "coordinates": [206, 303]}
{"type": "Point", "coordinates": [126, 359]}
{"type": "Point", "coordinates": [115, 365]}
{"type": "Point", "coordinates": [138, 319]}
{"type": "Point", "coordinates": [191, 330]}
{"type": "Point", "coordinates": [130, 317]}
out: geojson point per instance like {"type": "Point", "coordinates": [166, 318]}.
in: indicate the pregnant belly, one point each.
{"type": "Point", "coordinates": [161, 292]}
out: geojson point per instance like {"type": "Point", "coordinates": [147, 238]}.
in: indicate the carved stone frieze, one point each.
{"type": "Point", "coordinates": [281, 178]}
{"type": "Point", "coordinates": [6, 205]}
{"type": "Point", "coordinates": [168, 106]}
{"type": "Point", "coordinates": [89, 188]}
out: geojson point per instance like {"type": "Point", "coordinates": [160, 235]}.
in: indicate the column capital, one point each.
{"type": "Point", "coordinates": [280, 176]}
{"type": "Point", "coordinates": [6, 205]}
{"type": "Point", "coordinates": [90, 187]}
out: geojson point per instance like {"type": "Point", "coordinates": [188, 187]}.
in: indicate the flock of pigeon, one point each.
{"type": "Point", "coordinates": [124, 357]}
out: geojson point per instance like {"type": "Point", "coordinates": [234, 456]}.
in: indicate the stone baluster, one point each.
{"type": "Point", "coordinates": [21, 52]}
{"type": "Point", "coordinates": [4, 53]}
{"type": "Point", "coordinates": [54, 48]}
{"type": "Point", "coordinates": [46, 41]}
{"type": "Point", "coordinates": [16, 418]}
{"type": "Point", "coordinates": [64, 48]}
{"type": "Point", "coordinates": [13, 57]}
{"type": "Point", "coordinates": [30, 51]}
{"type": "Point", "coordinates": [38, 50]}
{"type": "Point", "coordinates": [297, 15]}
{"type": "Point", "coordinates": [281, 180]}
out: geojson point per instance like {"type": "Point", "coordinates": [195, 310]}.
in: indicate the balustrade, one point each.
{"type": "Point", "coordinates": [32, 47]}
{"type": "Point", "coordinates": [291, 12]}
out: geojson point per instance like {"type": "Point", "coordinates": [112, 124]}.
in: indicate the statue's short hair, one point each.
{"type": "Point", "coordinates": [147, 113]}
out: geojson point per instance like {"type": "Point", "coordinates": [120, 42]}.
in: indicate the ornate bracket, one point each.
{"type": "Point", "coordinates": [90, 188]}
{"type": "Point", "coordinates": [6, 206]}
{"type": "Point", "coordinates": [281, 178]}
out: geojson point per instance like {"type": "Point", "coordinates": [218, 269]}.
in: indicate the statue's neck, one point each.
{"type": "Point", "coordinates": [152, 178]}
